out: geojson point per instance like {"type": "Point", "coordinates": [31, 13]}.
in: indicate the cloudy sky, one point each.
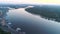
{"type": "Point", "coordinates": [31, 1]}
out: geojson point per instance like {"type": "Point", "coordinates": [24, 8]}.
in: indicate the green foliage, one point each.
{"type": "Point", "coordinates": [3, 32]}
{"type": "Point", "coordinates": [49, 12]}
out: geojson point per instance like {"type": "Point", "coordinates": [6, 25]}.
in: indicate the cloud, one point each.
{"type": "Point", "coordinates": [31, 1]}
{"type": "Point", "coordinates": [17, 1]}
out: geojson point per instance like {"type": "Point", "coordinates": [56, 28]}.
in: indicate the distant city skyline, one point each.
{"type": "Point", "coordinates": [31, 1]}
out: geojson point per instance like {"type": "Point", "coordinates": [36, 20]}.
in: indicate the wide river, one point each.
{"type": "Point", "coordinates": [32, 24]}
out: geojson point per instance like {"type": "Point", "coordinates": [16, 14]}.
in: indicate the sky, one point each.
{"type": "Point", "coordinates": [31, 1]}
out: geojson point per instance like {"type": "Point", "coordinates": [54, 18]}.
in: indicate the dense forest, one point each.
{"type": "Point", "coordinates": [46, 11]}
{"type": "Point", "coordinates": [3, 32]}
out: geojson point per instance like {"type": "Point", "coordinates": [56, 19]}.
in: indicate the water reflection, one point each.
{"type": "Point", "coordinates": [32, 24]}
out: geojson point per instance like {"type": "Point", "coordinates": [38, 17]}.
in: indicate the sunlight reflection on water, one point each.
{"type": "Point", "coordinates": [20, 16]}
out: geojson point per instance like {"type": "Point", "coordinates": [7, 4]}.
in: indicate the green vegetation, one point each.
{"type": "Point", "coordinates": [49, 12]}
{"type": "Point", "coordinates": [3, 32]}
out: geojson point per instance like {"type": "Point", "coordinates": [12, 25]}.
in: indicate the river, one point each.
{"type": "Point", "coordinates": [32, 24]}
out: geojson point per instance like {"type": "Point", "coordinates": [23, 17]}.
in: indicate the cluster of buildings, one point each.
{"type": "Point", "coordinates": [4, 22]}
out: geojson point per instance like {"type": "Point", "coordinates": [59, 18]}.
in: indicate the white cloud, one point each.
{"type": "Point", "coordinates": [31, 1]}
{"type": "Point", "coordinates": [18, 1]}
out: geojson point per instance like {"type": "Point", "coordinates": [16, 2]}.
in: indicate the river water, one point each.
{"type": "Point", "coordinates": [32, 24]}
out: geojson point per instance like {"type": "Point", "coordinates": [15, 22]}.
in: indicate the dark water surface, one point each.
{"type": "Point", "coordinates": [32, 24]}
